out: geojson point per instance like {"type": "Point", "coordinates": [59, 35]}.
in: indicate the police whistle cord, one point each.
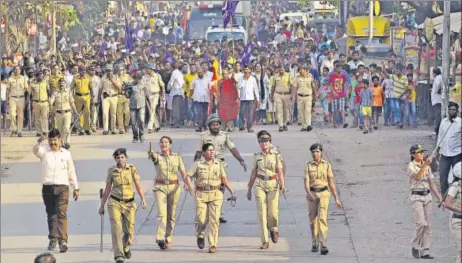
{"type": "Point", "coordinates": [145, 220]}
{"type": "Point", "coordinates": [181, 208]}
{"type": "Point", "coordinates": [233, 201]}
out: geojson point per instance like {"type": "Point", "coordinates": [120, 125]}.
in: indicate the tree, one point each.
{"type": "Point", "coordinates": [307, 3]}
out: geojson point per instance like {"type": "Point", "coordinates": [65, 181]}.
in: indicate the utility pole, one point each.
{"type": "Point", "coordinates": [446, 57]}
{"type": "Point", "coordinates": [371, 21]}
{"type": "Point", "coordinates": [53, 27]}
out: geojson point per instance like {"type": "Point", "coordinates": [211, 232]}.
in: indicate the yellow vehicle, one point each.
{"type": "Point", "coordinates": [358, 34]}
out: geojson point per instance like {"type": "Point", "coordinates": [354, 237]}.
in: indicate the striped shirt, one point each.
{"type": "Point", "coordinates": [399, 85]}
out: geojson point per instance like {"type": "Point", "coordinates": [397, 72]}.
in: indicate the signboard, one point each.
{"type": "Point", "coordinates": [429, 29]}
{"type": "Point", "coordinates": [412, 56]}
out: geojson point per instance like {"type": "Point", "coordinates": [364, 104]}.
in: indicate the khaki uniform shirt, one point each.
{"type": "Point", "coordinates": [62, 100]}
{"type": "Point", "coordinates": [167, 167]}
{"type": "Point", "coordinates": [82, 85]}
{"type": "Point", "coordinates": [207, 175]}
{"type": "Point", "coordinates": [153, 83]}
{"type": "Point", "coordinates": [412, 169]}
{"type": "Point", "coordinates": [317, 174]}
{"type": "Point", "coordinates": [282, 83]}
{"type": "Point", "coordinates": [267, 165]}
{"type": "Point", "coordinates": [304, 85]}
{"type": "Point", "coordinates": [220, 141]}
{"type": "Point", "coordinates": [108, 87]}
{"type": "Point", "coordinates": [17, 86]}
{"type": "Point", "coordinates": [455, 190]}
{"type": "Point", "coordinates": [123, 181]}
{"type": "Point", "coordinates": [39, 91]}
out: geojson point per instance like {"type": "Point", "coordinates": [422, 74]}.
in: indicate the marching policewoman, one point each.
{"type": "Point", "coordinates": [268, 176]}
{"type": "Point", "coordinates": [209, 173]}
{"type": "Point", "coordinates": [121, 182]}
{"type": "Point", "coordinates": [166, 189]}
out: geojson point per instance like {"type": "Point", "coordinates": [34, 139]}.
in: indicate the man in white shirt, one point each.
{"type": "Point", "coordinates": [355, 62]}
{"type": "Point", "coordinates": [450, 145]}
{"type": "Point", "coordinates": [57, 174]}
{"type": "Point", "coordinates": [248, 94]}
{"type": "Point", "coordinates": [437, 90]}
{"type": "Point", "coordinates": [175, 86]}
{"type": "Point", "coordinates": [201, 98]}
{"type": "Point", "coordinates": [97, 87]}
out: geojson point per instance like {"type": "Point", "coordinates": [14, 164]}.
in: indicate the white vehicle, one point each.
{"type": "Point", "coordinates": [324, 10]}
{"type": "Point", "coordinates": [214, 33]}
{"type": "Point", "coordinates": [295, 17]}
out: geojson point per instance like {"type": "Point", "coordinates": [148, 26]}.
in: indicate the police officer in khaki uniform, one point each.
{"type": "Point", "coordinates": [39, 95]}
{"type": "Point", "coordinates": [220, 140]}
{"type": "Point", "coordinates": [268, 177]}
{"type": "Point", "coordinates": [156, 89]}
{"type": "Point", "coordinates": [421, 184]}
{"type": "Point", "coordinates": [62, 103]}
{"type": "Point", "coordinates": [121, 181]}
{"type": "Point", "coordinates": [319, 184]}
{"type": "Point", "coordinates": [453, 202]}
{"type": "Point", "coordinates": [123, 109]}
{"type": "Point", "coordinates": [83, 87]}
{"type": "Point", "coordinates": [167, 189]}
{"type": "Point", "coordinates": [53, 84]}
{"type": "Point", "coordinates": [304, 91]}
{"type": "Point", "coordinates": [209, 173]}
{"type": "Point", "coordinates": [281, 95]}
{"type": "Point", "coordinates": [112, 86]}
{"type": "Point", "coordinates": [16, 92]}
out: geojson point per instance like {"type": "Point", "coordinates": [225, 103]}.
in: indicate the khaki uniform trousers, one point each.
{"type": "Point", "coordinates": [304, 105]}
{"type": "Point", "coordinates": [167, 198]}
{"type": "Point", "coordinates": [208, 208]}
{"type": "Point", "coordinates": [41, 110]}
{"type": "Point", "coordinates": [456, 226]}
{"type": "Point", "coordinates": [63, 124]}
{"type": "Point", "coordinates": [422, 208]}
{"type": "Point", "coordinates": [16, 106]}
{"type": "Point", "coordinates": [267, 201]}
{"type": "Point", "coordinates": [282, 108]}
{"type": "Point", "coordinates": [122, 217]}
{"type": "Point", "coordinates": [109, 110]}
{"type": "Point", "coordinates": [123, 113]}
{"type": "Point", "coordinates": [153, 121]}
{"type": "Point", "coordinates": [317, 213]}
{"type": "Point", "coordinates": [94, 115]}
{"type": "Point", "coordinates": [83, 101]}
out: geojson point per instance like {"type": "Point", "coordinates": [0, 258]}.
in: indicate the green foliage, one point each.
{"type": "Point", "coordinates": [308, 3]}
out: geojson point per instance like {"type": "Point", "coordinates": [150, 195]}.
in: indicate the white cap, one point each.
{"type": "Point", "coordinates": [456, 170]}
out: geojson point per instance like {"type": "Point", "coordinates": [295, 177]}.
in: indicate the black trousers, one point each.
{"type": "Point", "coordinates": [56, 199]}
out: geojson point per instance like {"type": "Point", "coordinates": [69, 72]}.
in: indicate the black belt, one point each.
{"type": "Point", "coordinates": [63, 111]}
{"type": "Point", "coordinates": [40, 101]}
{"type": "Point", "coordinates": [318, 190]}
{"type": "Point", "coordinates": [283, 93]}
{"type": "Point", "coordinates": [82, 94]}
{"type": "Point", "coordinates": [123, 201]}
{"type": "Point", "coordinates": [154, 93]}
{"type": "Point", "coordinates": [17, 97]}
{"type": "Point", "coordinates": [303, 95]}
{"type": "Point", "coordinates": [420, 192]}
{"type": "Point", "coordinates": [457, 216]}
{"type": "Point", "coordinates": [221, 159]}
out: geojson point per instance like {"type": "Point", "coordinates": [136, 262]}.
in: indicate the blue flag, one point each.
{"type": "Point", "coordinates": [153, 48]}
{"type": "Point", "coordinates": [228, 10]}
{"type": "Point", "coordinates": [128, 36]}
{"type": "Point", "coordinates": [246, 55]}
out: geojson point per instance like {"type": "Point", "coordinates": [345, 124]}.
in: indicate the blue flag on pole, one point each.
{"type": "Point", "coordinates": [228, 11]}
{"type": "Point", "coordinates": [128, 36]}
{"type": "Point", "coordinates": [246, 55]}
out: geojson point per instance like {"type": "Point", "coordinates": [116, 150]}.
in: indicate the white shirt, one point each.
{"type": "Point", "coordinates": [437, 84]}
{"type": "Point", "coordinates": [3, 91]}
{"type": "Point", "coordinates": [57, 168]}
{"type": "Point", "coordinates": [97, 87]}
{"type": "Point", "coordinates": [451, 144]}
{"type": "Point", "coordinates": [175, 85]}
{"type": "Point", "coordinates": [249, 88]}
{"type": "Point", "coordinates": [355, 65]}
{"type": "Point", "coordinates": [201, 87]}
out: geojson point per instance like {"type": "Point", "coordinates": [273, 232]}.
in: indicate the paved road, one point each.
{"type": "Point", "coordinates": [376, 225]}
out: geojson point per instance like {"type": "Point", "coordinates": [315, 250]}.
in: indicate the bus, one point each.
{"type": "Point", "coordinates": [231, 33]}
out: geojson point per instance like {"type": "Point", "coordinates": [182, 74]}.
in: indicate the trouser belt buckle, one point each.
{"type": "Point", "coordinates": [207, 188]}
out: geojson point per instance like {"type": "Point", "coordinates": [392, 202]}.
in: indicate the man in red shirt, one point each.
{"type": "Point", "coordinates": [338, 82]}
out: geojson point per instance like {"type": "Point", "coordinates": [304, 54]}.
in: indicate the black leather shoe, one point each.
{"type": "Point", "coordinates": [52, 245]}
{"type": "Point", "coordinates": [223, 220]}
{"type": "Point", "coordinates": [285, 128]}
{"type": "Point", "coordinates": [427, 257]}
{"type": "Point", "coordinates": [81, 133]}
{"type": "Point", "coordinates": [324, 250]}
{"type": "Point", "coordinates": [63, 247]}
{"type": "Point", "coordinates": [303, 129]}
{"type": "Point", "coordinates": [309, 128]}
{"type": "Point", "coordinates": [281, 129]}
{"type": "Point", "coordinates": [415, 253]}
{"type": "Point", "coordinates": [161, 244]}
{"type": "Point", "coordinates": [200, 242]}
{"type": "Point", "coordinates": [87, 132]}
{"type": "Point", "coordinates": [119, 260]}
{"type": "Point", "coordinates": [128, 254]}
{"type": "Point", "coordinates": [315, 248]}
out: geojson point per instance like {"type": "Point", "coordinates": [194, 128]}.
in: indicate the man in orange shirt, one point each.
{"type": "Point", "coordinates": [377, 101]}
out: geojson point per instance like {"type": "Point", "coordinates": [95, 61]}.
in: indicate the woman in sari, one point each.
{"type": "Point", "coordinates": [228, 99]}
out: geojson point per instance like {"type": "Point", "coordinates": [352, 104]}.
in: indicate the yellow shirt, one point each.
{"type": "Point", "coordinates": [413, 93]}
{"type": "Point", "coordinates": [282, 83]}
{"type": "Point", "coordinates": [17, 86]}
{"type": "Point", "coordinates": [220, 141]}
{"type": "Point", "coordinates": [208, 174]}
{"type": "Point", "coordinates": [123, 181]}
{"type": "Point", "coordinates": [188, 80]}
{"type": "Point", "coordinates": [39, 91]}
{"type": "Point", "coordinates": [82, 85]}
{"type": "Point", "coordinates": [317, 174]}
{"type": "Point", "coordinates": [53, 81]}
